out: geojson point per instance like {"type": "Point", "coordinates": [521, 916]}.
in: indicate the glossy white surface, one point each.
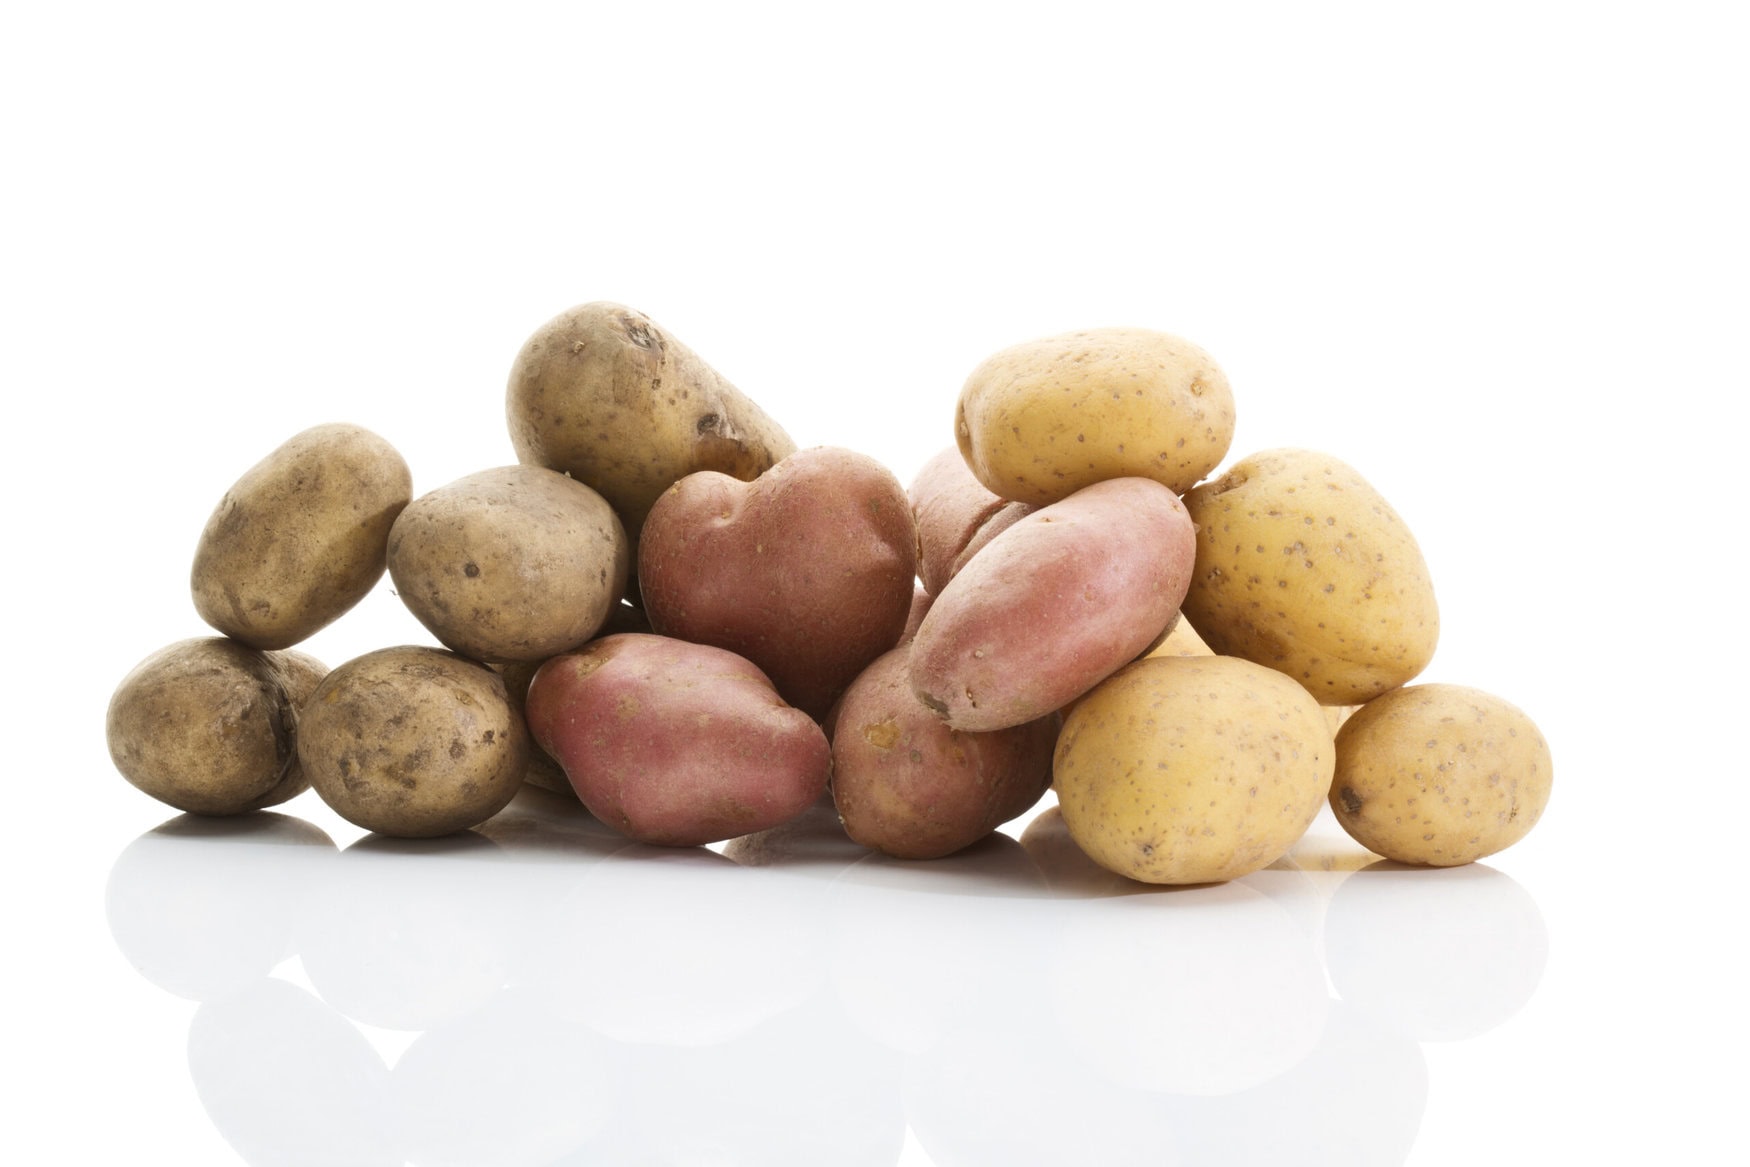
{"type": "Point", "coordinates": [1493, 258]}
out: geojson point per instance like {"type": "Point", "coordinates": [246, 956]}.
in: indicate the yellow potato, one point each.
{"type": "Point", "coordinates": [1302, 566]}
{"type": "Point", "coordinates": [1192, 769]}
{"type": "Point", "coordinates": [1039, 421]}
{"type": "Point", "coordinates": [1440, 775]}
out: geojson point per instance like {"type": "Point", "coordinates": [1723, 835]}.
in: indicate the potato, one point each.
{"type": "Point", "coordinates": [513, 564]}
{"type": "Point", "coordinates": [1181, 640]}
{"type": "Point", "coordinates": [907, 785]}
{"type": "Point", "coordinates": [1192, 769]}
{"type": "Point", "coordinates": [211, 726]}
{"type": "Point", "coordinates": [1053, 605]}
{"type": "Point", "coordinates": [544, 770]}
{"type": "Point", "coordinates": [301, 537]}
{"type": "Point", "coordinates": [1439, 775]}
{"type": "Point", "coordinates": [603, 394]}
{"type": "Point", "coordinates": [413, 742]}
{"type": "Point", "coordinates": [674, 743]}
{"type": "Point", "coordinates": [807, 571]}
{"type": "Point", "coordinates": [1302, 566]}
{"type": "Point", "coordinates": [956, 516]}
{"type": "Point", "coordinates": [1039, 421]}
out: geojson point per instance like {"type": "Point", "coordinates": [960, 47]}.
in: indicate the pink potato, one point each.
{"type": "Point", "coordinates": [675, 743]}
{"type": "Point", "coordinates": [1054, 605]}
{"type": "Point", "coordinates": [956, 517]}
{"type": "Point", "coordinates": [807, 571]}
{"type": "Point", "coordinates": [908, 785]}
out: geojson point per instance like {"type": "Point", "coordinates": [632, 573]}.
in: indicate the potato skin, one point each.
{"type": "Point", "coordinates": [1192, 769]}
{"type": "Point", "coordinates": [1053, 605]}
{"type": "Point", "coordinates": [413, 742]}
{"type": "Point", "coordinates": [907, 785]}
{"type": "Point", "coordinates": [210, 726]}
{"type": "Point", "coordinates": [1302, 566]}
{"type": "Point", "coordinates": [1439, 775]}
{"type": "Point", "coordinates": [1039, 421]}
{"type": "Point", "coordinates": [519, 563]}
{"type": "Point", "coordinates": [301, 537]}
{"type": "Point", "coordinates": [543, 770]}
{"type": "Point", "coordinates": [602, 393]}
{"type": "Point", "coordinates": [956, 516]}
{"type": "Point", "coordinates": [676, 744]}
{"type": "Point", "coordinates": [807, 571]}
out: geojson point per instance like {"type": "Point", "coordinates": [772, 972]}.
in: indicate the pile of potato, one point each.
{"type": "Point", "coordinates": [702, 631]}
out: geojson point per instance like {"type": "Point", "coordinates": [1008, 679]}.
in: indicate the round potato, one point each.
{"type": "Point", "coordinates": [603, 394]}
{"type": "Point", "coordinates": [413, 742]}
{"type": "Point", "coordinates": [674, 743]}
{"type": "Point", "coordinates": [807, 571]}
{"type": "Point", "coordinates": [514, 564]}
{"type": "Point", "coordinates": [907, 785]}
{"type": "Point", "coordinates": [1302, 566]}
{"type": "Point", "coordinates": [1192, 769]}
{"type": "Point", "coordinates": [211, 726]}
{"type": "Point", "coordinates": [1439, 775]}
{"type": "Point", "coordinates": [301, 537]}
{"type": "Point", "coordinates": [1039, 421]}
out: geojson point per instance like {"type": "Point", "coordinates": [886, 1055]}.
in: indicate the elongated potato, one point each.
{"type": "Point", "coordinates": [1040, 421]}
{"type": "Point", "coordinates": [1053, 605]}
{"type": "Point", "coordinates": [956, 517]}
{"type": "Point", "coordinates": [604, 395]}
{"type": "Point", "coordinates": [1302, 566]}
{"type": "Point", "coordinates": [301, 537]}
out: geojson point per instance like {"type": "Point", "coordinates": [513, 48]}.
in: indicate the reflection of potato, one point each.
{"type": "Point", "coordinates": [1439, 774]}
{"type": "Point", "coordinates": [1192, 769]}
{"type": "Point", "coordinates": [1192, 991]}
{"type": "Point", "coordinates": [1302, 566]}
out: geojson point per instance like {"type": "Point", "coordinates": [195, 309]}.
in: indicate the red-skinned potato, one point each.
{"type": "Point", "coordinates": [674, 743]}
{"type": "Point", "coordinates": [956, 516]}
{"type": "Point", "coordinates": [1054, 605]}
{"type": "Point", "coordinates": [907, 785]}
{"type": "Point", "coordinates": [807, 571]}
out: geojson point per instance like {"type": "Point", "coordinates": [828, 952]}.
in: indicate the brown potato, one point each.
{"type": "Point", "coordinates": [211, 726]}
{"type": "Point", "coordinates": [544, 770]}
{"type": "Point", "coordinates": [676, 744]}
{"type": "Point", "coordinates": [1053, 605]}
{"type": "Point", "coordinates": [907, 785]}
{"type": "Point", "coordinates": [301, 537]}
{"type": "Point", "coordinates": [1303, 567]}
{"type": "Point", "coordinates": [514, 564]}
{"type": "Point", "coordinates": [413, 742]}
{"type": "Point", "coordinates": [956, 517]}
{"type": "Point", "coordinates": [1439, 775]}
{"type": "Point", "coordinates": [603, 394]}
{"type": "Point", "coordinates": [807, 571]}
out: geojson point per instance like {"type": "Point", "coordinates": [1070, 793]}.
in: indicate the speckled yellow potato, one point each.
{"type": "Point", "coordinates": [1439, 775]}
{"type": "Point", "coordinates": [1039, 421]}
{"type": "Point", "coordinates": [1302, 566]}
{"type": "Point", "coordinates": [1192, 769]}
{"type": "Point", "coordinates": [301, 537]}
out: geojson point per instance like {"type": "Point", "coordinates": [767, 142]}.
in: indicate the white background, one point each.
{"type": "Point", "coordinates": [1493, 255]}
